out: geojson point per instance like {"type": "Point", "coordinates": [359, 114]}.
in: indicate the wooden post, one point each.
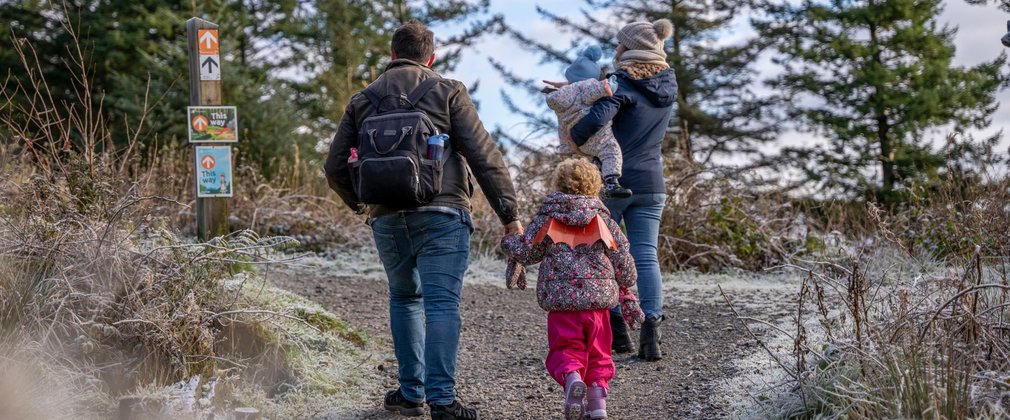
{"type": "Point", "coordinates": [211, 212]}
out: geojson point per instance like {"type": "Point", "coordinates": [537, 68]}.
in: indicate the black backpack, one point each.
{"type": "Point", "coordinates": [392, 169]}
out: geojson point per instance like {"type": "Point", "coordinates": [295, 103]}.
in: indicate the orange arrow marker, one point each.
{"type": "Point", "coordinates": [207, 40]}
{"type": "Point", "coordinates": [208, 162]}
{"type": "Point", "coordinates": [200, 123]}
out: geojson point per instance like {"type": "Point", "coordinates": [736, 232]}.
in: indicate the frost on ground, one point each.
{"type": "Point", "coordinates": [363, 262]}
{"type": "Point", "coordinates": [715, 368]}
{"type": "Point", "coordinates": [769, 297]}
{"type": "Point", "coordinates": [322, 355]}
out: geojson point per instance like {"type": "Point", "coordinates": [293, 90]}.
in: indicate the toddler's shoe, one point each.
{"type": "Point", "coordinates": [596, 406]}
{"type": "Point", "coordinates": [613, 189]}
{"type": "Point", "coordinates": [575, 394]}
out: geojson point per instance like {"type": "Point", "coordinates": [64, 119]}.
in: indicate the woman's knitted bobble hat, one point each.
{"type": "Point", "coordinates": [585, 67]}
{"type": "Point", "coordinates": [645, 35]}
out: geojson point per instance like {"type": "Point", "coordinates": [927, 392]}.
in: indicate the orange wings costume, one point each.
{"type": "Point", "coordinates": [574, 236]}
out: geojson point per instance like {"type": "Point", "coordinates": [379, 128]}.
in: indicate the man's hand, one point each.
{"type": "Point", "coordinates": [514, 227]}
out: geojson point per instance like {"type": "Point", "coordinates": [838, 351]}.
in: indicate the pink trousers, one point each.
{"type": "Point", "coordinates": [580, 342]}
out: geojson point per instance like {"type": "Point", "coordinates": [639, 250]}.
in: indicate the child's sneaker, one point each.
{"type": "Point", "coordinates": [613, 189]}
{"type": "Point", "coordinates": [596, 406]}
{"type": "Point", "coordinates": [575, 394]}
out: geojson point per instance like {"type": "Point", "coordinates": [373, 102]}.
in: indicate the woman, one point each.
{"type": "Point", "coordinates": [640, 112]}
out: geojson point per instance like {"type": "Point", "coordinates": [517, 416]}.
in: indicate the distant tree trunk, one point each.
{"type": "Point", "coordinates": [883, 127]}
{"type": "Point", "coordinates": [683, 86]}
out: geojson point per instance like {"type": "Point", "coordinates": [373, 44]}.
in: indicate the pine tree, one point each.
{"type": "Point", "coordinates": [137, 56]}
{"type": "Point", "coordinates": [1003, 4]}
{"type": "Point", "coordinates": [344, 44]}
{"type": "Point", "coordinates": [874, 77]}
{"type": "Point", "coordinates": [718, 113]}
{"type": "Point", "coordinates": [124, 43]}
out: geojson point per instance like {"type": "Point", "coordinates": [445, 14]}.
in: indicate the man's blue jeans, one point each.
{"type": "Point", "coordinates": [425, 254]}
{"type": "Point", "coordinates": [641, 214]}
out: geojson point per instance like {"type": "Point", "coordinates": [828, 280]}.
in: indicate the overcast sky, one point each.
{"type": "Point", "coordinates": [979, 31]}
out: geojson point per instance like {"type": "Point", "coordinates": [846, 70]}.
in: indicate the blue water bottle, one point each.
{"type": "Point", "coordinates": [436, 146]}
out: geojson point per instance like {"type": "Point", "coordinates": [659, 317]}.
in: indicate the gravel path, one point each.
{"type": "Point", "coordinates": [504, 341]}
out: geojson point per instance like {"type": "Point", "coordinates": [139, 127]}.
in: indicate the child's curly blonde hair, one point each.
{"type": "Point", "coordinates": [577, 176]}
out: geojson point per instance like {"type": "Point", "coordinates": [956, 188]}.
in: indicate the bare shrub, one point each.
{"type": "Point", "coordinates": [714, 218]}
{"type": "Point", "coordinates": [97, 293]}
{"type": "Point", "coordinates": [912, 319]}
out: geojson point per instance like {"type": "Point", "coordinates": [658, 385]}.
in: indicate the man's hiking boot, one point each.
{"type": "Point", "coordinates": [575, 395]}
{"type": "Point", "coordinates": [621, 342]}
{"type": "Point", "coordinates": [596, 402]}
{"type": "Point", "coordinates": [454, 411]}
{"type": "Point", "coordinates": [613, 189]}
{"type": "Point", "coordinates": [650, 339]}
{"type": "Point", "coordinates": [395, 401]}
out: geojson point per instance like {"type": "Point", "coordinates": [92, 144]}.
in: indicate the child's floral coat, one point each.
{"type": "Point", "coordinates": [584, 278]}
{"type": "Point", "coordinates": [571, 103]}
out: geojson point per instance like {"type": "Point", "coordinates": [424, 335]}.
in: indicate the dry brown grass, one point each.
{"type": "Point", "coordinates": [98, 295]}
{"type": "Point", "coordinates": [912, 320]}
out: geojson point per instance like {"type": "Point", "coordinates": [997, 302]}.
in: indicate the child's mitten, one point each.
{"type": "Point", "coordinates": [515, 275]}
{"type": "Point", "coordinates": [633, 314]}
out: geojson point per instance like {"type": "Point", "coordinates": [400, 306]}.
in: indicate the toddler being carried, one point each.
{"type": "Point", "coordinates": [571, 102]}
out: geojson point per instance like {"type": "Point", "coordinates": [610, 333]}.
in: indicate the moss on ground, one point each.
{"type": "Point", "coordinates": [322, 353]}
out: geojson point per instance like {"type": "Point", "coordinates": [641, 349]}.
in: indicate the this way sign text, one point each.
{"type": "Point", "coordinates": [213, 171]}
{"type": "Point", "coordinates": [213, 124]}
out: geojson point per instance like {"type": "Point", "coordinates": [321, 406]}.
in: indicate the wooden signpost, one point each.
{"type": "Point", "coordinates": [205, 90]}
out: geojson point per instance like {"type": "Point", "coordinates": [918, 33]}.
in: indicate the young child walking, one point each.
{"type": "Point", "coordinates": [571, 102]}
{"type": "Point", "coordinates": [586, 265]}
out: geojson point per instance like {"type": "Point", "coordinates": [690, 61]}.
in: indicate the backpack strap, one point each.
{"type": "Point", "coordinates": [372, 97]}
{"type": "Point", "coordinates": [422, 89]}
{"type": "Point", "coordinates": [414, 97]}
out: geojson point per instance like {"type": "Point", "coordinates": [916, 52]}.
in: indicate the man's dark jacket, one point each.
{"type": "Point", "coordinates": [449, 107]}
{"type": "Point", "coordinates": [641, 111]}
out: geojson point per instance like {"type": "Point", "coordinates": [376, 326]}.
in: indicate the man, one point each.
{"type": "Point", "coordinates": [425, 249]}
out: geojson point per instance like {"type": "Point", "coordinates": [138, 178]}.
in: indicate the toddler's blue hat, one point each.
{"type": "Point", "coordinates": [585, 66]}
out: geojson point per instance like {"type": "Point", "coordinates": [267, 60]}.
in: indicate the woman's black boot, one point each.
{"type": "Point", "coordinates": [622, 339]}
{"type": "Point", "coordinates": [648, 345]}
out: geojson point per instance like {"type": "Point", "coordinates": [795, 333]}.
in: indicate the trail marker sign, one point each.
{"type": "Point", "coordinates": [212, 164]}
{"type": "Point", "coordinates": [210, 67]}
{"type": "Point", "coordinates": [213, 171]}
{"type": "Point", "coordinates": [208, 42]}
{"type": "Point", "coordinates": [208, 162]}
{"type": "Point", "coordinates": [213, 124]}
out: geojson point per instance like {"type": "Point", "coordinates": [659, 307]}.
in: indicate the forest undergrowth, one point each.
{"type": "Point", "coordinates": [107, 304]}
{"type": "Point", "coordinates": [911, 322]}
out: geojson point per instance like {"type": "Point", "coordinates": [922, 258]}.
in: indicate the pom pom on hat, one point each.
{"type": "Point", "coordinates": [664, 28]}
{"type": "Point", "coordinates": [645, 35]}
{"type": "Point", "coordinates": [593, 53]}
